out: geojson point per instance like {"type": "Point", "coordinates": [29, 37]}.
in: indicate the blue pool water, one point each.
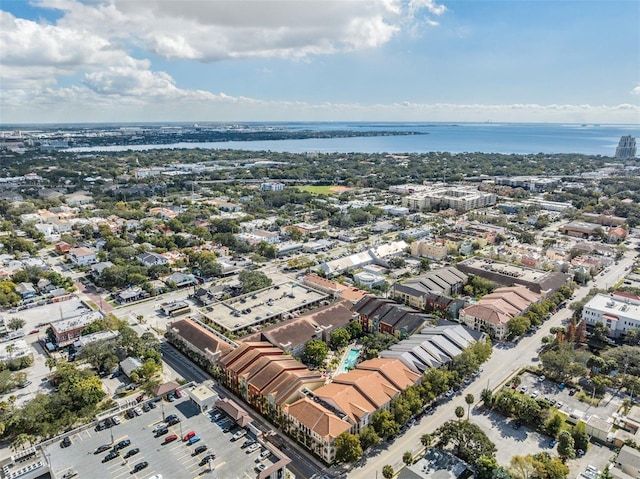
{"type": "Point", "coordinates": [350, 360]}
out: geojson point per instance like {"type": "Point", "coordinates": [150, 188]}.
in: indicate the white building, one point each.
{"type": "Point", "coordinates": [82, 256]}
{"type": "Point", "coordinates": [620, 312]}
{"type": "Point", "coordinates": [461, 198]}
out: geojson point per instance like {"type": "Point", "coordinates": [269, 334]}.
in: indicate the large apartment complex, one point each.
{"type": "Point", "coordinates": [461, 198]}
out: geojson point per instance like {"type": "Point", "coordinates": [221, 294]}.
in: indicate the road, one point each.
{"type": "Point", "coordinates": [504, 361]}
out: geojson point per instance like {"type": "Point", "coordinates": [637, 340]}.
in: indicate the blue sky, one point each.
{"type": "Point", "coordinates": [262, 60]}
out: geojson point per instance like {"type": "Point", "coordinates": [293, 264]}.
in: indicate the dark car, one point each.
{"type": "Point", "coordinates": [139, 467]}
{"type": "Point", "coordinates": [172, 421]}
{"type": "Point", "coordinates": [199, 450]}
{"type": "Point", "coordinates": [122, 444]}
{"type": "Point", "coordinates": [207, 458]}
{"type": "Point", "coordinates": [145, 407]}
{"type": "Point", "coordinates": [100, 449]}
{"type": "Point", "coordinates": [130, 413]}
{"type": "Point", "coordinates": [131, 452]}
{"type": "Point", "coordinates": [161, 432]}
{"type": "Point", "coordinates": [66, 442]}
{"type": "Point", "coordinates": [153, 405]}
{"type": "Point", "coordinates": [110, 456]}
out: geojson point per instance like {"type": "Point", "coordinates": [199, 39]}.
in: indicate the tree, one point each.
{"type": "Point", "coordinates": [348, 447]}
{"type": "Point", "coordinates": [580, 436]}
{"type": "Point", "coordinates": [469, 442]}
{"type": "Point", "coordinates": [469, 399]}
{"type": "Point", "coordinates": [253, 280]}
{"type": "Point", "coordinates": [566, 445]}
{"type": "Point", "coordinates": [15, 323]}
{"type": "Point", "coordinates": [354, 328]}
{"type": "Point", "coordinates": [553, 425]}
{"type": "Point", "coordinates": [368, 437]}
{"type": "Point", "coordinates": [459, 412]}
{"type": "Point", "coordinates": [407, 458]}
{"type": "Point", "coordinates": [518, 326]}
{"type": "Point", "coordinates": [384, 424]}
{"type": "Point", "coordinates": [523, 467]}
{"type": "Point", "coordinates": [340, 338]}
{"type": "Point", "coordinates": [487, 397]}
{"type": "Point", "coordinates": [426, 440]}
{"type": "Point", "coordinates": [387, 471]}
{"type": "Point", "coordinates": [315, 352]}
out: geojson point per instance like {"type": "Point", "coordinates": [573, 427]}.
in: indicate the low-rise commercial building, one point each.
{"type": "Point", "coordinates": [620, 312]}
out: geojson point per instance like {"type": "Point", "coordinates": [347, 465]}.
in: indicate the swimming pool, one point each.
{"type": "Point", "coordinates": [349, 361]}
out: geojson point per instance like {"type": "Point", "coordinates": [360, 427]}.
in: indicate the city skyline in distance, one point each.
{"type": "Point", "coordinates": [567, 61]}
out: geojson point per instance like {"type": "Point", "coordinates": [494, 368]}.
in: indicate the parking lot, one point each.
{"type": "Point", "coordinates": [171, 459]}
{"type": "Point", "coordinates": [564, 400]}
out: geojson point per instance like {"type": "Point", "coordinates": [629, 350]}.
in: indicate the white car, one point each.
{"type": "Point", "coordinates": [522, 389]}
{"type": "Point", "coordinates": [253, 447]}
{"type": "Point", "coordinates": [115, 420]}
{"type": "Point", "coordinates": [159, 426]}
{"type": "Point", "coordinates": [534, 394]}
{"type": "Point", "coordinates": [138, 411]}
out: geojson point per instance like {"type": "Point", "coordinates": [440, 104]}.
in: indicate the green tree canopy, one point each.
{"type": "Point", "coordinates": [348, 447]}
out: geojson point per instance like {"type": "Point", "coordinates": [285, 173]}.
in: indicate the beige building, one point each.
{"type": "Point", "coordinates": [493, 312]}
{"type": "Point", "coordinates": [429, 249]}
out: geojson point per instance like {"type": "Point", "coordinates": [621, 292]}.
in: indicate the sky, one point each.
{"type": "Point", "coordinates": [561, 61]}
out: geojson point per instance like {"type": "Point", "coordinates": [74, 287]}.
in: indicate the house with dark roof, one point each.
{"type": "Point", "coordinates": [419, 292]}
{"type": "Point", "coordinates": [292, 335]}
{"type": "Point", "coordinates": [152, 259]}
{"type": "Point", "coordinates": [381, 315]}
{"type": "Point", "coordinates": [190, 334]}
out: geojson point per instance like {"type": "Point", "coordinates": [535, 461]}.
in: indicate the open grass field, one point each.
{"type": "Point", "coordinates": [323, 189]}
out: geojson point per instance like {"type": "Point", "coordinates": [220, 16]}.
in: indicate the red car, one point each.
{"type": "Point", "coordinates": [140, 398]}
{"type": "Point", "coordinates": [178, 394]}
{"type": "Point", "coordinates": [35, 331]}
{"type": "Point", "coordinates": [170, 438]}
{"type": "Point", "coordinates": [188, 436]}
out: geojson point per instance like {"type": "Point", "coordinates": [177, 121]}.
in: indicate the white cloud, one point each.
{"type": "Point", "coordinates": [636, 90]}
{"type": "Point", "coordinates": [213, 30]}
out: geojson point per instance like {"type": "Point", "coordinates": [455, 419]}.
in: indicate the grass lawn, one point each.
{"type": "Point", "coordinates": [323, 189]}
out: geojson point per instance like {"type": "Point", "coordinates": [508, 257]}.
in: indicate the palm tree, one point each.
{"type": "Point", "coordinates": [486, 395]}
{"type": "Point", "coordinates": [426, 440]}
{"type": "Point", "coordinates": [387, 471]}
{"type": "Point", "coordinates": [469, 399]}
{"type": "Point", "coordinates": [407, 458]}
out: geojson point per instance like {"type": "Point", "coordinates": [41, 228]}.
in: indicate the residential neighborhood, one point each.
{"type": "Point", "coordinates": [339, 329]}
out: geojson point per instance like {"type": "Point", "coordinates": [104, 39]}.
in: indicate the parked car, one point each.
{"type": "Point", "coordinates": [140, 398]}
{"type": "Point", "coordinates": [253, 447]}
{"type": "Point", "coordinates": [264, 454]}
{"type": "Point", "coordinates": [247, 443]}
{"type": "Point", "coordinates": [122, 444]}
{"type": "Point", "coordinates": [553, 443]}
{"type": "Point", "coordinates": [132, 452]}
{"type": "Point", "coordinates": [69, 474]}
{"type": "Point", "coordinates": [239, 434]}
{"type": "Point", "coordinates": [177, 393]}
{"type": "Point", "coordinates": [66, 442]}
{"type": "Point", "coordinates": [161, 432]}
{"type": "Point", "coordinates": [103, 448]}
{"type": "Point", "coordinates": [260, 467]}
{"type": "Point", "coordinates": [188, 436]}
{"type": "Point", "coordinates": [199, 450]}
{"type": "Point", "coordinates": [193, 440]}
{"type": "Point", "coordinates": [110, 456]}
{"type": "Point", "coordinates": [138, 411]}
{"type": "Point", "coordinates": [207, 458]}
{"type": "Point", "coordinates": [160, 425]}
{"type": "Point", "coordinates": [170, 438]}
{"type": "Point", "coordinates": [139, 467]}
{"type": "Point", "coordinates": [115, 420]}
